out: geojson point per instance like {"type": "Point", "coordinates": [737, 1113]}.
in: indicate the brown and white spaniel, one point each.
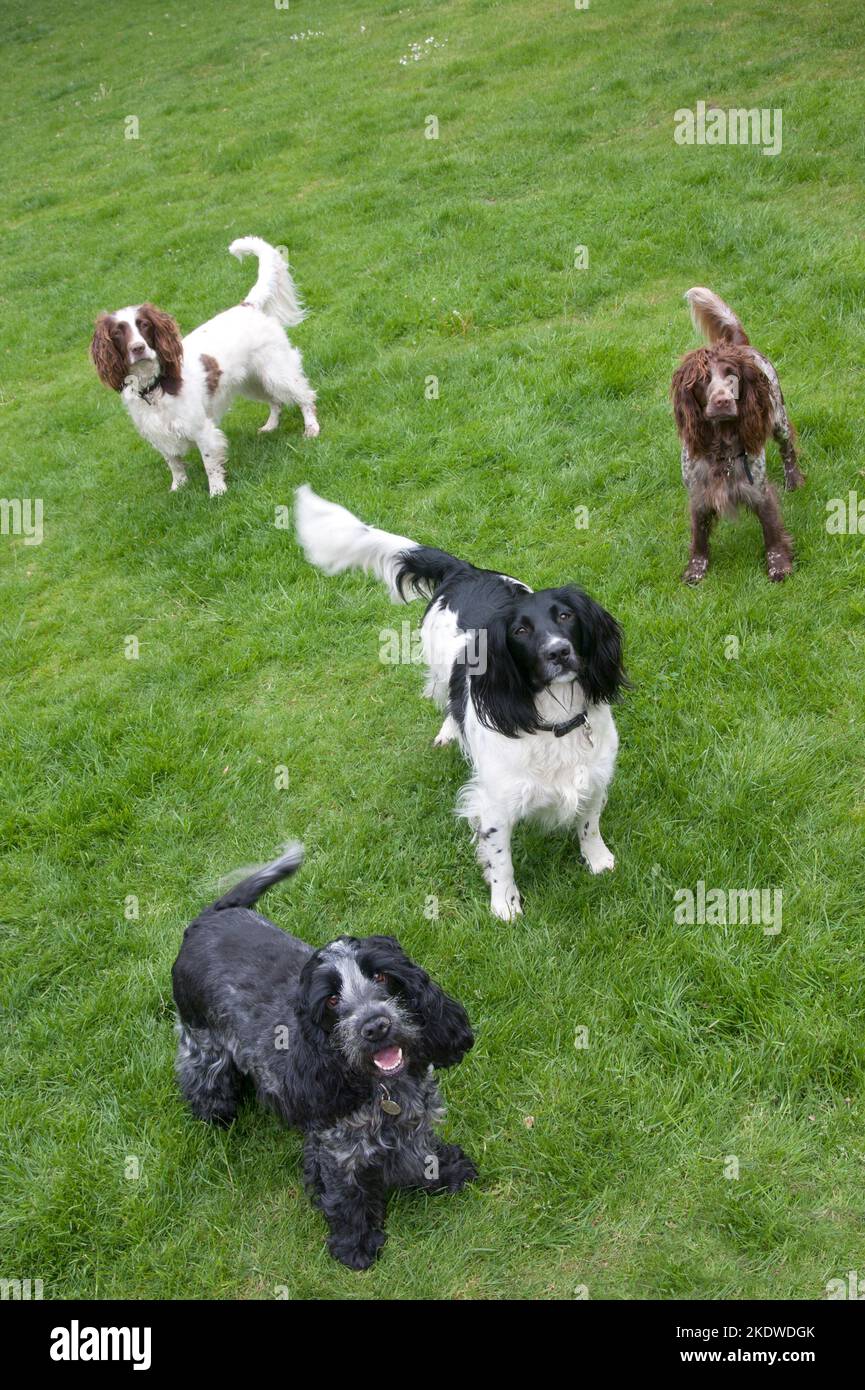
{"type": "Point", "coordinates": [728, 403]}
{"type": "Point", "coordinates": [177, 390]}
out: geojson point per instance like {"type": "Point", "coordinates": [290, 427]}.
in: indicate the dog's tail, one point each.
{"type": "Point", "coordinates": [250, 888]}
{"type": "Point", "coordinates": [334, 540]}
{"type": "Point", "coordinates": [274, 292]}
{"type": "Point", "coordinates": [715, 319]}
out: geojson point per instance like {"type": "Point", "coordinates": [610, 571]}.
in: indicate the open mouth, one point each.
{"type": "Point", "coordinates": [389, 1061]}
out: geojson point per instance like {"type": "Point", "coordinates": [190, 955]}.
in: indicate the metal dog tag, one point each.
{"type": "Point", "coordinates": [389, 1106]}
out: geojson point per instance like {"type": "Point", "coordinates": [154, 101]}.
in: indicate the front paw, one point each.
{"type": "Point", "coordinates": [357, 1252]}
{"type": "Point", "coordinates": [696, 569]}
{"type": "Point", "coordinates": [463, 1171]}
{"type": "Point", "coordinates": [177, 484]}
{"type": "Point", "coordinates": [313, 430]}
{"type": "Point", "coordinates": [598, 858]}
{"type": "Point", "coordinates": [505, 903]}
{"type": "Point", "coordinates": [793, 478]}
{"type": "Point", "coordinates": [779, 565]}
{"type": "Point", "coordinates": [218, 487]}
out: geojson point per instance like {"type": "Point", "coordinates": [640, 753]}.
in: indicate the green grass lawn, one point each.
{"type": "Point", "coordinates": [601, 1166]}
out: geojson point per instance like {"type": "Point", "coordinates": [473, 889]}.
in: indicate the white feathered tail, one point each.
{"type": "Point", "coordinates": [713, 318]}
{"type": "Point", "coordinates": [334, 540]}
{"type": "Point", "coordinates": [274, 292]}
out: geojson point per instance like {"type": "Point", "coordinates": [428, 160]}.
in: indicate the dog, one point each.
{"type": "Point", "coordinates": [526, 681]}
{"type": "Point", "coordinates": [341, 1043]}
{"type": "Point", "coordinates": [727, 403]}
{"type": "Point", "coordinates": [178, 391]}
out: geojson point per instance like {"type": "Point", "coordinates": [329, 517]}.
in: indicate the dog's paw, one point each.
{"type": "Point", "coordinates": [696, 569]}
{"type": "Point", "coordinates": [446, 734]}
{"type": "Point", "coordinates": [505, 903]}
{"type": "Point", "coordinates": [599, 858]}
{"type": "Point", "coordinates": [269, 426]}
{"type": "Point", "coordinates": [779, 565]}
{"type": "Point", "coordinates": [462, 1172]}
{"type": "Point", "coordinates": [357, 1254]}
{"type": "Point", "coordinates": [177, 484]}
{"type": "Point", "coordinates": [313, 430]}
{"type": "Point", "coordinates": [218, 487]}
{"type": "Point", "coordinates": [793, 478]}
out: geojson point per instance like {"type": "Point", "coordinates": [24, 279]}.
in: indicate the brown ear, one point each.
{"type": "Point", "coordinates": [166, 340]}
{"type": "Point", "coordinates": [755, 407]}
{"type": "Point", "coordinates": [694, 432]}
{"type": "Point", "coordinates": [106, 355]}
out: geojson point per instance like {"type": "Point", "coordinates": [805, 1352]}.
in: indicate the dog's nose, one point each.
{"type": "Point", "coordinates": [374, 1029]}
{"type": "Point", "coordinates": [559, 651]}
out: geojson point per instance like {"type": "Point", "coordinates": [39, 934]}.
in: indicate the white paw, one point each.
{"type": "Point", "coordinates": [505, 903]}
{"type": "Point", "coordinates": [313, 430]}
{"type": "Point", "coordinates": [269, 426]}
{"type": "Point", "coordinates": [217, 487]}
{"type": "Point", "coordinates": [598, 858]}
{"type": "Point", "coordinates": [446, 734]}
{"type": "Point", "coordinates": [177, 484]}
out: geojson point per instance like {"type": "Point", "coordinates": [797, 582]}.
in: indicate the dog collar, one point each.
{"type": "Point", "coordinates": [144, 393]}
{"type": "Point", "coordinates": [567, 725]}
{"type": "Point", "coordinates": [742, 458]}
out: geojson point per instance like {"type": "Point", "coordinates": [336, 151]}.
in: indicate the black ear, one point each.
{"type": "Point", "coordinates": [598, 641]}
{"type": "Point", "coordinates": [446, 1031]}
{"type": "Point", "coordinates": [312, 992]}
{"type": "Point", "coordinates": [500, 692]}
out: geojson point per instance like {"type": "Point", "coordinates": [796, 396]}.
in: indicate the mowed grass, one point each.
{"type": "Point", "coordinates": [601, 1166]}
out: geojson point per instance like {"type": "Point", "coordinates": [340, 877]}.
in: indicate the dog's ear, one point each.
{"type": "Point", "coordinates": [167, 341]}
{"type": "Point", "coordinates": [501, 695]}
{"type": "Point", "coordinates": [107, 357]}
{"type": "Point", "coordinates": [694, 430]}
{"type": "Point", "coordinates": [597, 638]}
{"type": "Point", "coordinates": [313, 992]}
{"type": "Point", "coordinates": [755, 406]}
{"type": "Point", "coordinates": [445, 1028]}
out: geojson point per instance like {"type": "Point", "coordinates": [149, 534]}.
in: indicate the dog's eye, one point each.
{"type": "Point", "coordinates": [332, 1001]}
{"type": "Point", "coordinates": [520, 631]}
{"type": "Point", "coordinates": [380, 978]}
{"type": "Point", "coordinates": [565, 616]}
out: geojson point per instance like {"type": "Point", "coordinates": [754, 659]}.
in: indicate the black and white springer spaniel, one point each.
{"type": "Point", "coordinates": [526, 679]}
{"type": "Point", "coordinates": [177, 390]}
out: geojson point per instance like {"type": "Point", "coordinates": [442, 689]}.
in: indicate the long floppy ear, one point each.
{"type": "Point", "coordinates": [446, 1031]}
{"type": "Point", "coordinates": [694, 431]}
{"type": "Point", "coordinates": [755, 406]}
{"type": "Point", "coordinates": [107, 357]}
{"type": "Point", "coordinates": [501, 695]}
{"type": "Point", "coordinates": [597, 638]}
{"type": "Point", "coordinates": [167, 341]}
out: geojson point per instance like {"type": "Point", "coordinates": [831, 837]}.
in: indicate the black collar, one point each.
{"type": "Point", "coordinates": [144, 393]}
{"type": "Point", "coordinates": [742, 458]}
{"type": "Point", "coordinates": [566, 726]}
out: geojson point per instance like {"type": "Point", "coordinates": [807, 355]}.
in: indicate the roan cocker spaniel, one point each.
{"type": "Point", "coordinates": [341, 1043]}
{"type": "Point", "coordinates": [728, 404]}
{"type": "Point", "coordinates": [526, 679]}
{"type": "Point", "coordinates": [178, 391]}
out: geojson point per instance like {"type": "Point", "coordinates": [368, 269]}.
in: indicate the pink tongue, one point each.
{"type": "Point", "coordinates": [387, 1058]}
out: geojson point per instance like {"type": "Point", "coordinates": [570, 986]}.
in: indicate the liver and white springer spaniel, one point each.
{"type": "Point", "coordinates": [177, 391]}
{"type": "Point", "coordinates": [727, 403]}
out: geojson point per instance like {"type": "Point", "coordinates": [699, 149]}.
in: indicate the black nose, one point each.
{"type": "Point", "coordinates": [376, 1028]}
{"type": "Point", "coordinates": [559, 651]}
